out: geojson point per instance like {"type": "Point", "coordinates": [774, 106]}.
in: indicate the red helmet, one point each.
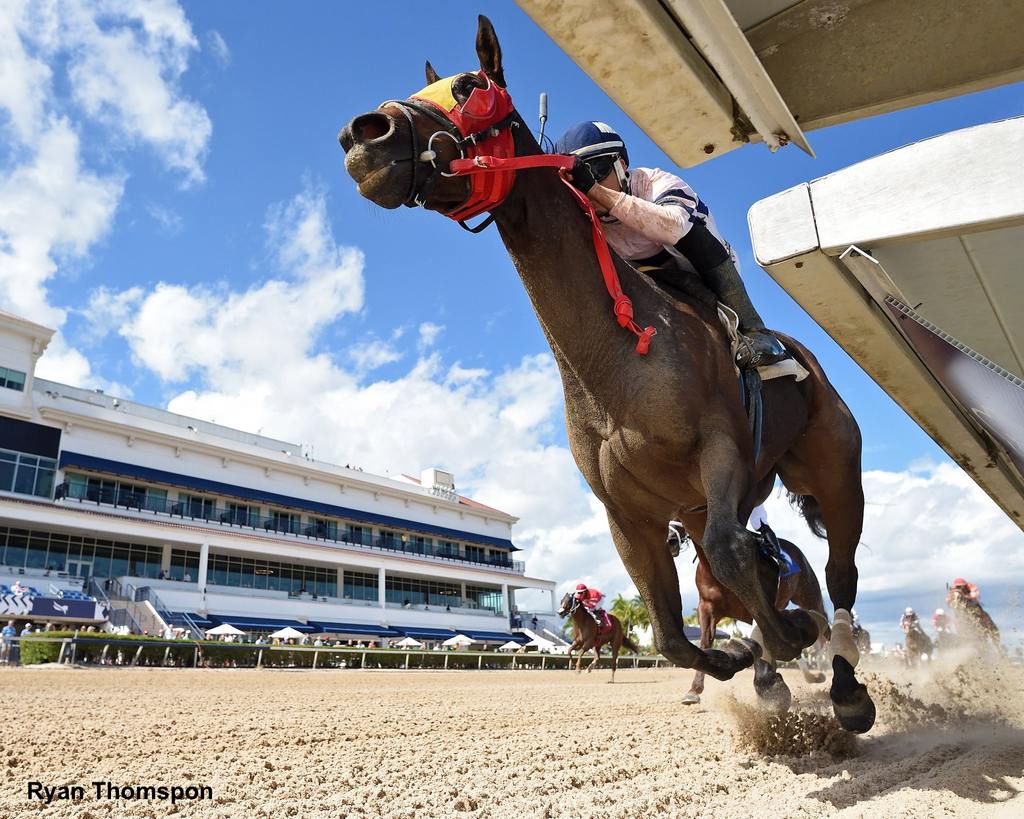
{"type": "Point", "coordinates": [580, 587]}
{"type": "Point", "coordinates": [959, 581]}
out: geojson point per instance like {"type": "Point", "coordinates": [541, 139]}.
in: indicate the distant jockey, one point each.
{"type": "Point", "coordinates": [940, 621]}
{"type": "Point", "coordinates": [968, 591]}
{"type": "Point", "coordinates": [909, 619]}
{"type": "Point", "coordinates": [591, 598]}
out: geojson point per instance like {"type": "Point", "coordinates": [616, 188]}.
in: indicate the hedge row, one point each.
{"type": "Point", "coordinates": [123, 648]}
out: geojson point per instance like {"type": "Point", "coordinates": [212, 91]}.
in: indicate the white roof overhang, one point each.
{"type": "Point", "coordinates": [911, 261]}
{"type": "Point", "coordinates": [702, 78]}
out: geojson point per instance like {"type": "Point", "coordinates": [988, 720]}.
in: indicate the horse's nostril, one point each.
{"type": "Point", "coordinates": [345, 138]}
{"type": "Point", "coordinates": [368, 127]}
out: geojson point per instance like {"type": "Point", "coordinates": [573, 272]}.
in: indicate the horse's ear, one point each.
{"type": "Point", "coordinates": [489, 51]}
{"type": "Point", "coordinates": [432, 76]}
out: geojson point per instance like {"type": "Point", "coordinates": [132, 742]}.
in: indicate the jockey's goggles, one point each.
{"type": "Point", "coordinates": [601, 166]}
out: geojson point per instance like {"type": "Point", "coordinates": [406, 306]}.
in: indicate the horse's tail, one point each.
{"type": "Point", "coordinates": [808, 507]}
{"type": "Point", "coordinates": [630, 644]}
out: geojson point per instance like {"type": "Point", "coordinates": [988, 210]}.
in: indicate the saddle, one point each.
{"type": "Point", "coordinates": [604, 622]}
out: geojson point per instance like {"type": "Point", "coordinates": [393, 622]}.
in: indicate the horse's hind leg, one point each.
{"type": "Point", "coordinates": [597, 656]}
{"type": "Point", "coordinates": [616, 645]}
{"type": "Point", "coordinates": [708, 622]}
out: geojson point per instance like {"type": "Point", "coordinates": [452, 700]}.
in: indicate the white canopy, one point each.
{"type": "Point", "coordinates": [511, 645]}
{"type": "Point", "coordinates": [409, 642]}
{"type": "Point", "coordinates": [540, 643]}
{"type": "Point", "coordinates": [458, 640]}
{"type": "Point", "coordinates": [287, 633]}
{"type": "Point", "coordinates": [224, 628]}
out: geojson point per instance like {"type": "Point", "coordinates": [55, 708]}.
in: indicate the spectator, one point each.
{"type": "Point", "coordinates": [162, 575]}
{"type": "Point", "coordinates": [448, 608]}
{"type": "Point", "coordinates": [17, 588]}
{"type": "Point", "coordinates": [27, 630]}
{"type": "Point", "coordinates": [407, 603]}
{"type": "Point", "coordinates": [533, 622]}
{"type": "Point", "coordinates": [188, 577]}
{"type": "Point", "coordinates": [7, 635]}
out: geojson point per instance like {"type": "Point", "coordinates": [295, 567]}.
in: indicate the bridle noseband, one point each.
{"type": "Point", "coordinates": [474, 135]}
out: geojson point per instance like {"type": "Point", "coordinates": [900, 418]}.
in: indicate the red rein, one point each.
{"type": "Point", "coordinates": [623, 307]}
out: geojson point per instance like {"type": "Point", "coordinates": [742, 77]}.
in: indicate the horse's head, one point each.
{"type": "Point", "coordinates": [399, 154]}
{"type": "Point", "coordinates": [566, 606]}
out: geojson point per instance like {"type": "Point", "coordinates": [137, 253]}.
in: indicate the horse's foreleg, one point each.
{"type": "Point", "coordinates": [616, 645]}
{"type": "Point", "coordinates": [641, 545]}
{"type": "Point", "coordinates": [597, 656]}
{"type": "Point", "coordinates": [708, 623]}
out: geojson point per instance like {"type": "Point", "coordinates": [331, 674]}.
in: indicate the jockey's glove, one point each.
{"type": "Point", "coordinates": [582, 177]}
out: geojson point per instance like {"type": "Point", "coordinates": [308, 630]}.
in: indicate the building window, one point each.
{"type": "Point", "coordinates": [447, 548]}
{"type": "Point", "coordinates": [293, 578]}
{"type": "Point", "coordinates": [282, 522]}
{"type": "Point", "coordinates": [357, 534]}
{"type": "Point", "coordinates": [360, 586]}
{"type": "Point", "coordinates": [322, 529]}
{"type": "Point", "coordinates": [240, 514]}
{"type": "Point", "coordinates": [195, 506]}
{"type": "Point", "coordinates": [484, 597]}
{"type": "Point", "coordinates": [79, 556]}
{"type": "Point", "coordinates": [476, 553]}
{"type": "Point", "coordinates": [26, 474]}
{"type": "Point", "coordinates": [184, 562]}
{"type": "Point", "coordinates": [12, 379]}
{"type": "Point", "coordinates": [402, 590]}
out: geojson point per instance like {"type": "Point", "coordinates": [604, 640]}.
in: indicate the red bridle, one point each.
{"type": "Point", "coordinates": [487, 157]}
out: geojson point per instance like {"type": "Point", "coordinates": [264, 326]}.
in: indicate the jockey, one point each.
{"type": "Point", "coordinates": [940, 621]}
{"type": "Point", "coordinates": [590, 598]}
{"type": "Point", "coordinates": [909, 619]}
{"type": "Point", "coordinates": [970, 592]}
{"type": "Point", "coordinates": [655, 221]}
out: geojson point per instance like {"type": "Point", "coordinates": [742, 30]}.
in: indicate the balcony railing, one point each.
{"type": "Point", "coordinates": [280, 525]}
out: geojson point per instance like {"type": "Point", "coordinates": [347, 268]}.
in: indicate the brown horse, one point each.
{"type": "Point", "coordinates": [589, 636]}
{"type": "Point", "coordinates": [973, 623]}
{"type": "Point", "coordinates": [917, 642]}
{"type": "Point", "coordinates": [657, 437]}
{"type": "Point", "coordinates": [716, 602]}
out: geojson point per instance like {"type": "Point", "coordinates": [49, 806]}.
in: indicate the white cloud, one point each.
{"type": "Point", "coordinates": [429, 333]}
{"type": "Point", "coordinates": [170, 222]}
{"type": "Point", "coordinates": [216, 46]}
{"type": "Point", "coordinates": [123, 64]}
{"type": "Point", "coordinates": [108, 310]}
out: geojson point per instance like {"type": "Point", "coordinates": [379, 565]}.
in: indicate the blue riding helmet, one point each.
{"type": "Point", "coordinates": [589, 140]}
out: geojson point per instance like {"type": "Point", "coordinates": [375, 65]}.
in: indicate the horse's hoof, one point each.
{"type": "Point", "coordinates": [735, 655]}
{"type": "Point", "coordinates": [817, 678]}
{"type": "Point", "coordinates": [773, 693]}
{"type": "Point", "coordinates": [850, 699]}
{"type": "Point", "coordinates": [689, 698]}
{"type": "Point", "coordinates": [743, 651]}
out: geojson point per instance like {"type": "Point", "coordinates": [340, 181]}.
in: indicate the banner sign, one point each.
{"type": "Point", "coordinates": [45, 608]}
{"type": "Point", "coordinates": [992, 396]}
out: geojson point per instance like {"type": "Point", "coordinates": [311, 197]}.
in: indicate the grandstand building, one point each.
{"type": "Point", "coordinates": [156, 520]}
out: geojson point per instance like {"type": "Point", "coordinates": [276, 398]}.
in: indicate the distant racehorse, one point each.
{"type": "Point", "coordinates": [716, 602]}
{"type": "Point", "coordinates": [589, 636]}
{"type": "Point", "coordinates": [918, 644]}
{"type": "Point", "coordinates": [974, 625]}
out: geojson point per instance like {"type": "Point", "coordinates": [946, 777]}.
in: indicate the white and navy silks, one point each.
{"type": "Point", "coordinates": [662, 219]}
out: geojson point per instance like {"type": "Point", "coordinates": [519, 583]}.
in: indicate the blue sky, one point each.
{"type": "Point", "coordinates": [213, 148]}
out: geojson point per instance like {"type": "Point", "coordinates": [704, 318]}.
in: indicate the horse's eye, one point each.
{"type": "Point", "coordinates": [464, 85]}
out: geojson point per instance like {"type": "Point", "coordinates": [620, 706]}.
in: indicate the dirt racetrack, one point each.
{"type": "Point", "coordinates": [502, 744]}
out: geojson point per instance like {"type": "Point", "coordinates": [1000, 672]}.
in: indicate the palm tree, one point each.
{"type": "Point", "coordinates": [632, 612]}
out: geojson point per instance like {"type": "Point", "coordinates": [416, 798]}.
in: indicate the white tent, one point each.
{"type": "Point", "coordinates": [287, 633]}
{"type": "Point", "coordinates": [458, 640]}
{"type": "Point", "coordinates": [224, 629]}
{"type": "Point", "coordinates": [511, 645]}
{"type": "Point", "coordinates": [540, 644]}
{"type": "Point", "coordinates": [409, 642]}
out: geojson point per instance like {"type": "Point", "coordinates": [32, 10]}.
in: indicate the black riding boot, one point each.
{"type": "Point", "coordinates": [758, 345]}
